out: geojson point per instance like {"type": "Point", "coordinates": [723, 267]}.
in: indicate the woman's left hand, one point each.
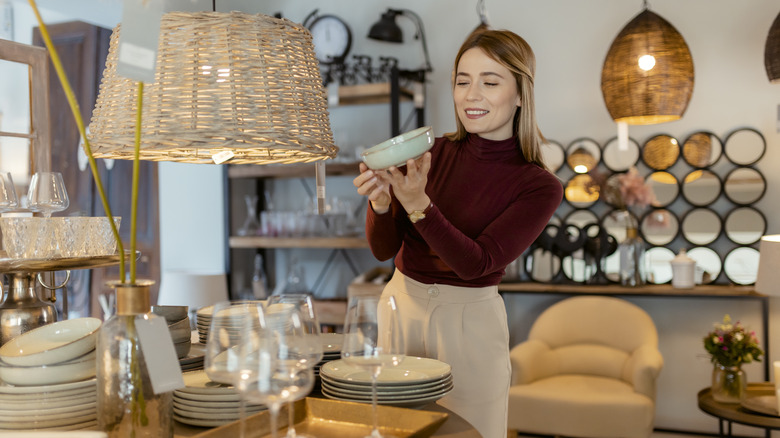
{"type": "Point", "coordinates": [409, 189]}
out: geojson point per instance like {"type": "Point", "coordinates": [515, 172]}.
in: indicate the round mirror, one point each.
{"type": "Point", "coordinates": [611, 189]}
{"type": "Point", "coordinates": [620, 159]}
{"type": "Point", "coordinates": [581, 218]}
{"type": "Point", "coordinates": [615, 221]}
{"type": "Point", "coordinates": [708, 264]}
{"type": "Point", "coordinates": [665, 187]}
{"type": "Point", "coordinates": [583, 155]}
{"type": "Point", "coordinates": [553, 155]}
{"type": "Point", "coordinates": [542, 265]}
{"type": "Point", "coordinates": [579, 191]}
{"type": "Point", "coordinates": [702, 149]}
{"type": "Point", "coordinates": [554, 220]}
{"type": "Point", "coordinates": [745, 225]}
{"type": "Point", "coordinates": [701, 187]}
{"type": "Point", "coordinates": [658, 264]}
{"type": "Point", "coordinates": [745, 146]}
{"type": "Point", "coordinates": [701, 226]}
{"type": "Point", "coordinates": [659, 226]}
{"type": "Point", "coordinates": [661, 152]}
{"type": "Point", "coordinates": [744, 185]}
{"type": "Point", "coordinates": [741, 265]}
{"type": "Point", "coordinates": [574, 267]}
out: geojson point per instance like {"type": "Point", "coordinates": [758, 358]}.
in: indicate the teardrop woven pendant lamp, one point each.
{"type": "Point", "coordinates": [772, 52]}
{"type": "Point", "coordinates": [640, 95]}
{"type": "Point", "coordinates": [237, 82]}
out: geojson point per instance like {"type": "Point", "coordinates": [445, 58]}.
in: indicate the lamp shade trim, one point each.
{"type": "Point", "coordinates": [661, 93]}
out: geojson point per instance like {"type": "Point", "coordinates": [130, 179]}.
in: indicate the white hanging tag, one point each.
{"type": "Point", "coordinates": [157, 347]}
{"type": "Point", "coordinates": [137, 58]}
{"type": "Point", "coordinates": [223, 156]}
{"type": "Point", "coordinates": [622, 135]}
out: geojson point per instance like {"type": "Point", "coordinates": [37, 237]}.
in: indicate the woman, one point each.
{"type": "Point", "coordinates": [458, 215]}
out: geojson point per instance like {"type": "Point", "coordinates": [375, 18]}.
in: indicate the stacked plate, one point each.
{"type": "Point", "coordinates": [194, 360]}
{"type": "Point", "coordinates": [67, 406]}
{"type": "Point", "coordinates": [207, 404]}
{"type": "Point", "coordinates": [415, 382]}
{"type": "Point", "coordinates": [331, 349]}
{"type": "Point", "coordinates": [204, 316]}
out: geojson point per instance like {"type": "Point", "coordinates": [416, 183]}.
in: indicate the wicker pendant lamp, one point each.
{"type": "Point", "coordinates": [647, 76]}
{"type": "Point", "coordinates": [772, 52]}
{"type": "Point", "coordinates": [243, 85]}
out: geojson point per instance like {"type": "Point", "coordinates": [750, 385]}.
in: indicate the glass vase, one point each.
{"type": "Point", "coordinates": [729, 384]}
{"type": "Point", "coordinates": [632, 256]}
{"type": "Point", "coordinates": [126, 403]}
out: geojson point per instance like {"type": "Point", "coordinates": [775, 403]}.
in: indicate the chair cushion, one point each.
{"type": "Point", "coordinates": [582, 406]}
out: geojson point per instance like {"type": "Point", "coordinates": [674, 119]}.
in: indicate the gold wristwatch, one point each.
{"type": "Point", "coordinates": [418, 215]}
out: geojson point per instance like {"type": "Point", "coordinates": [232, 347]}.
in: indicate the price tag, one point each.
{"type": "Point", "coordinates": [157, 347]}
{"type": "Point", "coordinates": [221, 157]}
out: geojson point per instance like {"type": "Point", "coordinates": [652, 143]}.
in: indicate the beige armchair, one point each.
{"type": "Point", "coordinates": [588, 369]}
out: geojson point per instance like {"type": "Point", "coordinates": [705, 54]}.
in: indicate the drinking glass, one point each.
{"type": "Point", "coordinates": [47, 193]}
{"type": "Point", "coordinates": [312, 354]}
{"type": "Point", "coordinates": [235, 333]}
{"type": "Point", "coordinates": [8, 200]}
{"type": "Point", "coordinates": [365, 346]}
{"type": "Point", "coordinates": [284, 346]}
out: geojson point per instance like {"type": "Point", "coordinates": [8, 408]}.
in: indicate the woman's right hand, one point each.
{"type": "Point", "coordinates": [369, 185]}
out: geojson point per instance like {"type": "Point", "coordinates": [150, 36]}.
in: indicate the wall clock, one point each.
{"type": "Point", "coordinates": [332, 37]}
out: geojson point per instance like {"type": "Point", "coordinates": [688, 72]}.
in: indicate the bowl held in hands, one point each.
{"type": "Point", "coordinates": [397, 150]}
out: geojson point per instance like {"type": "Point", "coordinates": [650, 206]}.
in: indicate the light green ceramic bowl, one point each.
{"type": "Point", "coordinates": [397, 150]}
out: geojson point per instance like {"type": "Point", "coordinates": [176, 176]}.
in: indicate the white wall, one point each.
{"type": "Point", "coordinates": [570, 38]}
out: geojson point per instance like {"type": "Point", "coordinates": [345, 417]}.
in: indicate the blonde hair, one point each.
{"type": "Point", "coordinates": [513, 52]}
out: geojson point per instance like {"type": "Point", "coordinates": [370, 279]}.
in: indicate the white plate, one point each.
{"type": "Point", "coordinates": [389, 390]}
{"type": "Point", "coordinates": [206, 397]}
{"type": "Point", "coordinates": [198, 382]}
{"type": "Point", "coordinates": [212, 415]}
{"type": "Point", "coordinates": [70, 421]}
{"type": "Point", "coordinates": [200, 422]}
{"type": "Point", "coordinates": [46, 389]}
{"type": "Point", "coordinates": [32, 417]}
{"type": "Point", "coordinates": [49, 397]}
{"type": "Point", "coordinates": [45, 411]}
{"type": "Point", "coordinates": [56, 434]}
{"type": "Point", "coordinates": [404, 404]}
{"type": "Point", "coordinates": [410, 371]}
{"type": "Point", "coordinates": [195, 406]}
{"type": "Point", "coordinates": [331, 342]}
{"type": "Point", "coordinates": [366, 396]}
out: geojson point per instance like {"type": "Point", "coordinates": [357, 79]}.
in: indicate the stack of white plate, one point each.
{"type": "Point", "coordinates": [194, 359]}
{"type": "Point", "coordinates": [207, 404]}
{"type": "Point", "coordinates": [331, 349]}
{"type": "Point", "coordinates": [415, 382]}
{"type": "Point", "coordinates": [67, 406]}
{"type": "Point", "coordinates": [204, 316]}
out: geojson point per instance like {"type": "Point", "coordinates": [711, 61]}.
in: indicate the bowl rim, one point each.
{"type": "Point", "coordinates": [5, 348]}
{"type": "Point", "coordinates": [89, 356]}
{"type": "Point", "coordinates": [406, 136]}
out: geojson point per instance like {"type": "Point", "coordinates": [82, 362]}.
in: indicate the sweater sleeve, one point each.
{"type": "Point", "coordinates": [501, 242]}
{"type": "Point", "coordinates": [384, 232]}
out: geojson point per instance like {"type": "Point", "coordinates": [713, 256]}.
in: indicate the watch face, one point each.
{"type": "Point", "coordinates": [332, 39]}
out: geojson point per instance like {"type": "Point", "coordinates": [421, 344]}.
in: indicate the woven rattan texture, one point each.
{"type": "Point", "coordinates": [772, 51]}
{"type": "Point", "coordinates": [661, 94]}
{"type": "Point", "coordinates": [245, 83]}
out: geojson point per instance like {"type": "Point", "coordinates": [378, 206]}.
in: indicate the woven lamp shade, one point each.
{"type": "Point", "coordinates": [249, 84]}
{"type": "Point", "coordinates": [660, 94]}
{"type": "Point", "coordinates": [772, 52]}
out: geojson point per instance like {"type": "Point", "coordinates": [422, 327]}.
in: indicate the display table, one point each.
{"type": "Point", "coordinates": [737, 413]}
{"type": "Point", "coordinates": [453, 427]}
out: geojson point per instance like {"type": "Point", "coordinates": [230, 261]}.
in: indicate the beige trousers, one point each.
{"type": "Point", "coordinates": [465, 327]}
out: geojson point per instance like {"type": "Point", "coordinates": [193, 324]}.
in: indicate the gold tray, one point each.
{"type": "Point", "coordinates": [10, 265]}
{"type": "Point", "coordinates": [325, 418]}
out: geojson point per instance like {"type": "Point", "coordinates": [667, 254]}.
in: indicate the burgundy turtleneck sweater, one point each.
{"type": "Point", "coordinates": [489, 205]}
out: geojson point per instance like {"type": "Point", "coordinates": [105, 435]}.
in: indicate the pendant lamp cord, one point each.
{"type": "Point", "coordinates": [644, 4]}
{"type": "Point", "coordinates": [214, 5]}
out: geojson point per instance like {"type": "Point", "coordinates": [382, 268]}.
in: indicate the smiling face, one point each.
{"type": "Point", "coordinates": [486, 96]}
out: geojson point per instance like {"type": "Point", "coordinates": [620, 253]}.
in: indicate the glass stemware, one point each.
{"type": "Point", "coordinates": [8, 199]}
{"type": "Point", "coordinates": [366, 346]}
{"type": "Point", "coordinates": [47, 193]}
{"type": "Point", "coordinates": [235, 333]}
{"type": "Point", "coordinates": [284, 347]}
{"type": "Point", "coordinates": [312, 354]}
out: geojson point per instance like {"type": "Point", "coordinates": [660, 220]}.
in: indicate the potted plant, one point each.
{"type": "Point", "coordinates": [730, 346]}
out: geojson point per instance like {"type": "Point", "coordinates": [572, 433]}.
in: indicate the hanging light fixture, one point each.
{"type": "Point", "coordinates": [772, 52]}
{"type": "Point", "coordinates": [243, 87]}
{"type": "Point", "coordinates": [386, 29]}
{"type": "Point", "coordinates": [647, 76]}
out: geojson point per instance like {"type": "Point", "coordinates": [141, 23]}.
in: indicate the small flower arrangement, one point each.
{"type": "Point", "coordinates": [732, 345]}
{"type": "Point", "coordinates": [625, 190]}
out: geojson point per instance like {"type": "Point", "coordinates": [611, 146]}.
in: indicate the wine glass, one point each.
{"type": "Point", "coordinates": [8, 200]}
{"type": "Point", "coordinates": [283, 348]}
{"type": "Point", "coordinates": [367, 346]}
{"type": "Point", "coordinates": [47, 193]}
{"type": "Point", "coordinates": [234, 333]}
{"type": "Point", "coordinates": [312, 355]}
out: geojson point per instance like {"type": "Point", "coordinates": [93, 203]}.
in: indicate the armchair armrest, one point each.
{"type": "Point", "coordinates": [531, 360]}
{"type": "Point", "coordinates": [642, 369]}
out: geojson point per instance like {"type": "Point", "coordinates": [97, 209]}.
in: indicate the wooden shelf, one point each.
{"type": "Point", "coordinates": [297, 242]}
{"type": "Point", "coordinates": [362, 94]}
{"type": "Point", "coordinates": [615, 289]}
{"type": "Point", "coordinates": [290, 170]}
